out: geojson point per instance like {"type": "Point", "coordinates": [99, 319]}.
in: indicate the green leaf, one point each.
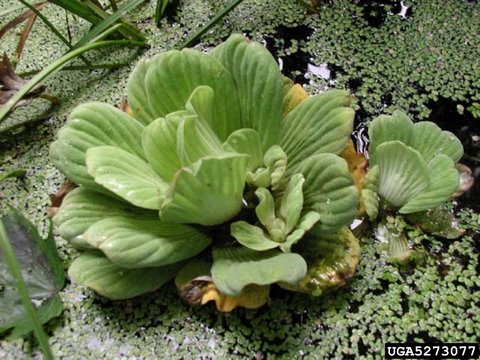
{"type": "Point", "coordinates": [444, 180]}
{"type": "Point", "coordinates": [17, 173]}
{"type": "Point", "coordinates": [42, 272]}
{"type": "Point", "coordinates": [169, 79]}
{"type": "Point", "coordinates": [329, 190]}
{"type": "Point", "coordinates": [384, 128]}
{"type": "Point", "coordinates": [259, 83]}
{"type": "Point", "coordinates": [265, 209]}
{"type": "Point", "coordinates": [331, 260]}
{"type": "Point", "coordinates": [194, 269]}
{"type": "Point", "coordinates": [292, 202]}
{"type": "Point", "coordinates": [439, 222]}
{"type": "Point", "coordinates": [235, 268]}
{"type": "Point", "coordinates": [82, 207]}
{"type": "Point", "coordinates": [403, 173]}
{"type": "Point", "coordinates": [430, 141]}
{"type": "Point", "coordinates": [137, 242]}
{"type": "Point", "coordinates": [91, 125]}
{"type": "Point", "coordinates": [248, 142]}
{"type": "Point", "coordinates": [251, 236]}
{"type": "Point", "coordinates": [202, 104]}
{"type": "Point", "coordinates": [369, 192]}
{"type": "Point", "coordinates": [137, 94]}
{"type": "Point", "coordinates": [319, 124]}
{"type": "Point", "coordinates": [159, 141]}
{"type": "Point", "coordinates": [126, 175]}
{"type": "Point", "coordinates": [94, 270]}
{"type": "Point", "coordinates": [306, 223]}
{"type": "Point", "coordinates": [275, 160]}
{"type": "Point", "coordinates": [208, 192]}
{"type": "Point", "coordinates": [192, 144]}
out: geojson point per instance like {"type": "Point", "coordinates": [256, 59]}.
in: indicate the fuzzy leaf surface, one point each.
{"type": "Point", "coordinates": [138, 242]}
{"type": "Point", "coordinates": [235, 268]}
{"type": "Point", "coordinates": [91, 125]}
{"type": "Point", "coordinates": [126, 175]}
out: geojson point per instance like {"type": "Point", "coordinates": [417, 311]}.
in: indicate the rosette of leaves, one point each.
{"type": "Point", "coordinates": [412, 166]}
{"type": "Point", "coordinates": [216, 177]}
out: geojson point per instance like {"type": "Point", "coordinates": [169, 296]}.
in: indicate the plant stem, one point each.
{"type": "Point", "coordinates": [14, 269]}
{"type": "Point", "coordinates": [53, 68]}
{"type": "Point", "coordinates": [211, 23]}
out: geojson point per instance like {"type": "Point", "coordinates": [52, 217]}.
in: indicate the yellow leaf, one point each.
{"type": "Point", "coordinates": [357, 166]}
{"type": "Point", "coordinates": [293, 98]}
{"type": "Point", "coordinates": [252, 297]}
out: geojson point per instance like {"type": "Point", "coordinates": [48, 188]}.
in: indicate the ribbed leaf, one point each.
{"type": "Point", "coordinates": [265, 209]}
{"type": "Point", "coordinates": [137, 242]}
{"type": "Point", "coordinates": [275, 160]}
{"type": "Point", "coordinates": [430, 141]}
{"type": "Point", "coordinates": [369, 192]}
{"type": "Point", "coordinates": [235, 268]}
{"type": "Point", "coordinates": [90, 125]}
{"type": "Point", "coordinates": [403, 173]}
{"type": "Point", "coordinates": [202, 104]}
{"type": "Point", "coordinates": [193, 143]}
{"type": "Point", "coordinates": [126, 175]}
{"type": "Point", "coordinates": [83, 207]}
{"type": "Point", "coordinates": [306, 223]}
{"type": "Point", "coordinates": [169, 79]}
{"type": "Point", "coordinates": [137, 94]}
{"type": "Point", "coordinates": [292, 202]}
{"type": "Point", "coordinates": [94, 270]}
{"type": "Point", "coordinates": [320, 124]}
{"type": "Point", "coordinates": [444, 179]}
{"type": "Point", "coordinates": [329, 190]}
{"type": "Point", "coordinates": [251, 236]}
{"type": "Point", "coordinates": [208, 193]}
{"type": "Point", "coordinates": [159, 141]}
{"type": "Point", "coordinates": [246, 141]}
{"type": "Point", "coordinates": [259, 83]}
{"type": "Point", "coordinates": [397, 126]}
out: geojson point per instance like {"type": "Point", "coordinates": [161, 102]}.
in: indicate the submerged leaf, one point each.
{"type": "Point", "coordinates": [439, 222]}
{"type": "Point", "coordinates": [42, 271]}
{"type": "Point", "coordinates": [331, 260]}
{"type": "Point", "coordinates": [94, 270]}
{"type": "Point", "coordinates": [235, 268]}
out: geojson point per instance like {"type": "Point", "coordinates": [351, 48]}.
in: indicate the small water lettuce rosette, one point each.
{"type": "Point", "coordinates": [227, 177]}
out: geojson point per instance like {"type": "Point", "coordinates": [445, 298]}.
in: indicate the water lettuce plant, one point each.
{"type": "Point", "coordinates": [225, 176]}
{"type": "Point", "coordinates": [412, 166]}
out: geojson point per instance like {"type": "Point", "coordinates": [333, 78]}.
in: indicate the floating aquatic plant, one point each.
{"type": "Point", "coordinates": [412, 166]}
{"type": "Point", "coordinates": [229, 178]}
{"type": "Point", "coordinates": [222, 160]}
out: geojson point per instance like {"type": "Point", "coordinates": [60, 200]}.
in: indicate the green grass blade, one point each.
{"type": "Point", "coordinates": [53, 68]}
{"type": "Point", "coordinates": [211, 23]}
{"type": "Point", "coordinates": [80, 9]}
{"type": "Point", "coordinates": [160, 9]}
{"type": "Point", "coordinates": [14, 268]}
